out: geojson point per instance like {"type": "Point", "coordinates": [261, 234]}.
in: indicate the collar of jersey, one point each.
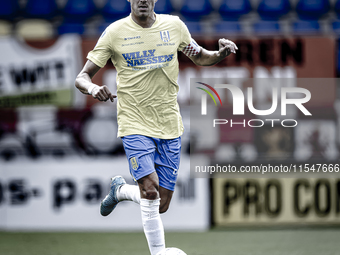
{"type": "Point", "coordinates": [138, 26]}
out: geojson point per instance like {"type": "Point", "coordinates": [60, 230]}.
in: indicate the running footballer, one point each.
{"type": "Point", "coordinates": [143, 47]}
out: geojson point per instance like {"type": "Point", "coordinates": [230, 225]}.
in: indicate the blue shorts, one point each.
{"type": "Point", "coordinates": [147, 154]}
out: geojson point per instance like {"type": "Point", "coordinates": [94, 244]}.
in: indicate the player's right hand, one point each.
{"type": "Point", "coordinates": [102, 93]}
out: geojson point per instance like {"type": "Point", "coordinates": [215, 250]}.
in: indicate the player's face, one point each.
{"type": "Point", "coordinates": [142, 8]}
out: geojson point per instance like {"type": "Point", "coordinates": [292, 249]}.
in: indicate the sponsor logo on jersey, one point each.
{"type": "Point", "coordinates": [146, 57]}
{"type": "Point", "coordinates": [131, 38]}
{"type": "Point", "coordinates": [165, 36]}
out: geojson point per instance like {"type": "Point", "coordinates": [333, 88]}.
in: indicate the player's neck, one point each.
{"type": "Point", "coordinates": [144, 22]}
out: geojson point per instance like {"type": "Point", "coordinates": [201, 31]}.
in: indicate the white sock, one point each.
{"type": "Point", "coordinates": [153, 225]}
{"type": "Point", "coordinates": [129, 192]}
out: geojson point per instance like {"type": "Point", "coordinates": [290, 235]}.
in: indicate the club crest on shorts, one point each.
{"type": "Point", "coordinates": [134, 163]}
{"type": "Point", "coordinates": [165, 36]}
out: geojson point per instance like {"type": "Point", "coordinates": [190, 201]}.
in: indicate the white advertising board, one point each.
{"type": "Point", "coordinates": [30, 76]}
{"type": "Point", "coordinates": [51, 194]}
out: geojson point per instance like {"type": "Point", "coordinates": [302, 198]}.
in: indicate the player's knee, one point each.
{"type": "Point", "coordinates": [151, 194]}
{"type": "Point", "coordinates": [149, 188]}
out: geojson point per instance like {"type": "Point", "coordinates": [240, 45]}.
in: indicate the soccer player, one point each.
{"type": "Point", "coordinates": [143, 47]}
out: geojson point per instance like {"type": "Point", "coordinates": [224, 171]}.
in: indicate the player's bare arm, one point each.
{"type": "Point", "coordinates": [209, 58]}
{"type": "Point", "coordinates": [86, 86]}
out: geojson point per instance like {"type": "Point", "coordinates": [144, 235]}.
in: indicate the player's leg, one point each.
{"type": "Point", "coordinates": [119, 191]}
{"type": "Point", "coordinates": [147, 188]}
{"type": "Point", "coordinates": [150, 204]}
{"type": "Point", "coordinates": [129, 192]}
{"type": "Point", "coordinates": [166, 196]}
{"type": "Point", "coordinates": [110, 202]}
{"type": "Point", "coordinates": [136, 147]}
{"type": "Point", "coordinates": [167, 181]}
{"type": "Point", "coordinates": [167, 159]}
{"type": "Point", "coordinates": [140, 151]}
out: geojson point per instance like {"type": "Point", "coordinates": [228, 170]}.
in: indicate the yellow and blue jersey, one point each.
{"type": "Point", "coordinates": [147, 71]}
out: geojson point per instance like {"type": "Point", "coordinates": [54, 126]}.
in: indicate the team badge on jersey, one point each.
{"type": "Point", "coordinates": [134, 163]}
{"type": "Point", "coordinates": [165, 36]}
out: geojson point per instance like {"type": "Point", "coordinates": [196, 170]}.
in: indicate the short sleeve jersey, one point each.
{"type": "Point", "coordinates": [147, 72]}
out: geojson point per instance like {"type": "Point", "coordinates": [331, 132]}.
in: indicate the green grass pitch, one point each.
{"type": "Point", "coordinates": [215, 242]}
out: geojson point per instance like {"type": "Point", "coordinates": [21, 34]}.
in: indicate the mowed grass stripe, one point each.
{"type": "Point", "coordinates": [233, 242]}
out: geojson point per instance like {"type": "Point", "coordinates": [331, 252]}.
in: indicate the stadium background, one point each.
{"type": "Point", "coordinates": [58, 148]}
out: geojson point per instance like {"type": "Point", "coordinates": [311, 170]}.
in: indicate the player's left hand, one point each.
{"type": "Point", "coordinates": [226, 47]}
